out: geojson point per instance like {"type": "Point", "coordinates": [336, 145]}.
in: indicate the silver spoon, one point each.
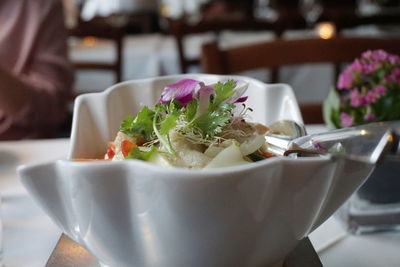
{"type": "Point", "coordinates": [281, 133]}
{"type": "Point", "coordinates": [366, 143]}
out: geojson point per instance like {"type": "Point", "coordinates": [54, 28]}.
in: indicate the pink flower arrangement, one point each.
{"type": "Point", "coordinates": [368, 90]}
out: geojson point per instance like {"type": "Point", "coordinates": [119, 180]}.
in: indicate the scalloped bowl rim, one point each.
{"type": "Point", "coordinates": [181, 170]}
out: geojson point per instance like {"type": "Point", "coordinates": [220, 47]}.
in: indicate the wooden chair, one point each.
{"type": "Point", "coordinates": [341, 13]}
{"type": "Point", "coordinates": [275, 54]}
{"type": "Point", "coordinates": [181, 28]}
{"type": "Point", "coordinates": [101, 30]}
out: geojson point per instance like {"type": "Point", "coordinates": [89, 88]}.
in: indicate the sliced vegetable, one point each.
{"type": "Point", "coordinates": [110, 151]}
{"type": "Point", "coordinates": [137, 153]}
{"type": "Point", "coordinates": [251, 145]}
{"type": "Point", "coordinates": [126, 147]}
{"type": "Point", "coordinates": [268, 154]}
{"type": "Point", "coordinates": [230, 156]}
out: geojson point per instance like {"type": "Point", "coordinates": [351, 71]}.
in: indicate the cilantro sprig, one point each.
{"type": "Point", "coordinates": [141, 125]}
{"type": "Point", "coordinates": [156, 124]}
{"type": "Point", "coordinates": [219, 111]}
{"type": "Point", "coordinates": [223, 91]}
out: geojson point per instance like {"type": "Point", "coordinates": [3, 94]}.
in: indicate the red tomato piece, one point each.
{"type": "Point", "coordinates": [110, 151]}
{"type": "Point", "coordinates": [126, 147]}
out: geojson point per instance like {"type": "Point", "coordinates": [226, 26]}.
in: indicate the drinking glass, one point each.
{"type": "Point", "coordinates": [375, 207]}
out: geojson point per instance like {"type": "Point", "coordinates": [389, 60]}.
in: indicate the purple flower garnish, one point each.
{"type": "Point", "coordinates": [186, 90]}
{"type": "Point", "coordinates": [182, 91]}
{"type": "Point", "coordinates": [241, 99]}
{"type": "Point", "coordinates": [205, 91]}
{"type": "Point", "coordinates": [240, 90]}
{"type": "Point", "coordinates": [317, 145]}
{"type": "Point", "coordinates": [204, 96]}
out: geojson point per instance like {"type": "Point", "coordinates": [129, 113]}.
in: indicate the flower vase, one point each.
{"type": "Point", "coordinates": [368, 90]}
{"type": "Point", "coordinates": [376, 204]}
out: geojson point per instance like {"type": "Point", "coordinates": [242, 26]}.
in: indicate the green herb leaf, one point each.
{"type": "Point", "coordinates": [219, 111]}
{"type": "Point", "coordinates": [141, 125]}
{"type": "Point", "coordinates": [191, 110]}
{"type": "Point", "coordinates": [331, 109]}
{"type": "Point", "coordinates": [169, 123]}
{"type": "Point", "coordinates": [160, 108]}
{"type": "Point", "coordinates": [223, 91]}
{"type": "Point", "coordinates": [211, 123]}
{"type": "Point", "coordinates": [227, 107]}
{"type": "Point", "coordinates": [127, 124]}
{"type": "Point", "coordinates": [136, 153]}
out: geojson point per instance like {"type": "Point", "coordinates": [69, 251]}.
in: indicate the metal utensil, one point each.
{"type": "Point", "coordinates": [281, 133]}
{"type": "Point", "coordinates": [367, 143]}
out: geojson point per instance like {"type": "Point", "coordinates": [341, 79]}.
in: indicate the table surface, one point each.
{"type": "Point", "coordinates": [68, 253]}
{"type": "Point", "coordinates": [29, 236]}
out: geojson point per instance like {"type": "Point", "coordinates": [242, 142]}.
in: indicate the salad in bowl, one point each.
{"type": "Point", "coordinates": [214, 206]}
{"type": "Point", "coordinates": [193, 125]}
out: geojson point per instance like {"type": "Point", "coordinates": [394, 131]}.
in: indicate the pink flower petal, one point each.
{"type": "Point", "coordinates": [241, 88]}
{"type": "Point", "coordinates": [380, 89]}
{"type": "Point", "coordinates": [181, 91]}
{"type": "Point", "coordinates": [204, 96]}
{"type": "Point", "coordinates": [356, 99]}
{"type": "Point", "coordinates": [345, 80]}
{"type": "Point", "coordinates": [370, 117]}
{"type": "Point", "coordinates": [242, 99]}
{"type": "Point", "coordinates": [346, 120]}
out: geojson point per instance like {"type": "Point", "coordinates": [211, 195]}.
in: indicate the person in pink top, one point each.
{"type": "Point", "coordinates": [35, 75]}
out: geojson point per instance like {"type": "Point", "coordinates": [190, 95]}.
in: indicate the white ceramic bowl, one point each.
{"type": "Point", "coordinates": [132, 213]}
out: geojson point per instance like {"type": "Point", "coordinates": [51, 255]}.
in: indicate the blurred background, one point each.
{"type": "Point", "coordinates": [114, 41]}
{"type": "Point", "coordinates": [153, 31]}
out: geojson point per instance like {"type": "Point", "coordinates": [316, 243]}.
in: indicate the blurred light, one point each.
{"type": "Point", "coordinates": [363, 132]}
{"type": "Point", "coordinates": [165, 10]}
{"type": "Point", "coordinates": [89, 41]}
{"type": "Point", "coordinates": [325, 30]}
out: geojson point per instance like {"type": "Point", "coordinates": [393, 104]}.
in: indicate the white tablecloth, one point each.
{"type": "Point", "coordinates": [29, 236]}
